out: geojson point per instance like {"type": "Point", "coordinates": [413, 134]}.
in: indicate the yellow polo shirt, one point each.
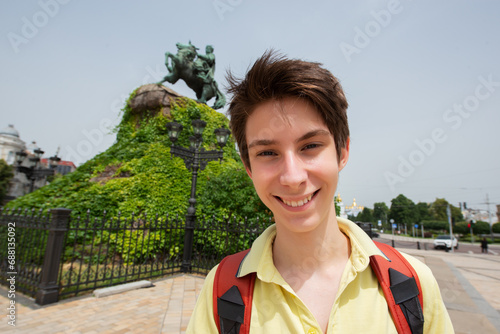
{"type": "Point", "coordinates": [360, 305]}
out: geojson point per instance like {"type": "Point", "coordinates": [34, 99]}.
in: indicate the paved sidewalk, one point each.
{"type": "Point", "coordinates": [470, 285]}
{"type": "Point", "coordinates": [164, 308]}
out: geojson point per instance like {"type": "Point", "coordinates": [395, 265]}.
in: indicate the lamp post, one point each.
{"type": "Point", "coordinates": [30, 166]}
{"type": "Point", "coordinates": [195, 158]}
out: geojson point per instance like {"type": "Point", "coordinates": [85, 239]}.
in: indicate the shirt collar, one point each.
{"type": "Point", "coordinates": [260, 257]}
{"type": "Point", "coordinates": [362, 246]}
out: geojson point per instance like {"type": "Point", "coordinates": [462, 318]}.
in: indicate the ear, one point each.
{"type": "Point", "coordinates": [344, 154]}
{"type": "Point", "coordinates": [247, 168]}
{"type": "Point", "coordinates": [249, 171]}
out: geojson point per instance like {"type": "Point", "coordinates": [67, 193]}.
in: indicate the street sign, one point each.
{"type": "Point", "coordinates": [416, 225]}
{"type": "Point", "coordinates": [394, 225]}
{"type": "Point", "coordinates": [379, 223]}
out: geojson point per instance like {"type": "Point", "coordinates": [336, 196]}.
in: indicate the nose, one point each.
{"type": "Point", "coordinates": [293, 171]}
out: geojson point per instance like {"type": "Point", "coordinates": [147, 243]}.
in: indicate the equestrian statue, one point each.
{"type": "Point", "coordinates": [197, 70]}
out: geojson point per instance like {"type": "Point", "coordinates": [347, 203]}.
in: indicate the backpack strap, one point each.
{"type": "Point", "coordinates": [233, 296]}
{"type": "Point", "coordinates": [401, 287]}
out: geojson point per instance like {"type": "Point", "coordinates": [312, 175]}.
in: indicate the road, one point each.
{"type": "Point", "coordinates": [415, 243]}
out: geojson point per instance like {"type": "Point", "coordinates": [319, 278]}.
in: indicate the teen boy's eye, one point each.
{"type": "Point", "coordinates": [266, 153]}
{"type": "Point", "coordinates": [310, 146]}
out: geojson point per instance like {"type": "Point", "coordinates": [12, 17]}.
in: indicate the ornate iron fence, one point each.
{"type": "Point", "coordinates": [106, 251]}
{"type": "Point", "coordinates": [57, 256]}
{"type": "Point", "coordinates": [23, 239]}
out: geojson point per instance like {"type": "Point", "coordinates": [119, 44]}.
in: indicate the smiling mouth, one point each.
{"type": "Point", "coordinates": [299, 203]}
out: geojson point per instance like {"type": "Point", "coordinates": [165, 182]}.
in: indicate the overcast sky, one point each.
{"type": "Point", "coordinates": [422, 78]}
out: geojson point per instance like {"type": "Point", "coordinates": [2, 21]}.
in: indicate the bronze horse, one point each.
{"type": "Point", "coordinates": [196, 70]}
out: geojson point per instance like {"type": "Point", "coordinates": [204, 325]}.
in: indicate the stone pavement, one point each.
{"type": "Point", "coordinates": [163, 308]}
{"type": "Point", "coordinates": [469, 283]}
{"type": "Point", "coordinates": [470, 287]}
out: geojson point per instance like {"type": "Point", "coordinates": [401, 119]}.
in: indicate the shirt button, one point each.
{"type": "Point", "coordinates": [312, 331]}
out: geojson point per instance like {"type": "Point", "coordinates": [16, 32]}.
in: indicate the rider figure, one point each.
{"type": "Point", "coordinates": [208, 61]}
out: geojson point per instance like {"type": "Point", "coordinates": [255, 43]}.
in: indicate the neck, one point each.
{"type": "Point", "coordinates": [315, 250]}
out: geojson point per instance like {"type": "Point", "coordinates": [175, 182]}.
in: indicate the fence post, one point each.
{"type": "Point", "coordinates": [48, 290]}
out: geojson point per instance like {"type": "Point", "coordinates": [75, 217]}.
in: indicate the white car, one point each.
{"type": "Point", "coordinates": [444, 241]}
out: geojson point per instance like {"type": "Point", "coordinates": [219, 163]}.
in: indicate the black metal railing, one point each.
{"type": "Point", "coordinates": [23, 239]}
{"type": "Point", "coordinates": [108, 251]}
{"type": "Point", "coordinates": [214, 239]}
{"type": "Point", "coordinates": [58, 257]}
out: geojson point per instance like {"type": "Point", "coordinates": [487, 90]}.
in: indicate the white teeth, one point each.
{"type": "Point", "coordinates": [299, 203]}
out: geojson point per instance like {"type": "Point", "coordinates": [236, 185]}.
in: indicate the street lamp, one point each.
{"type": "Point", "coordinates": [195, 158]}
{"type": "Point", "coordinates": [30, 166]}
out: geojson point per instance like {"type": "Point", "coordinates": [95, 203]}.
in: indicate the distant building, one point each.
{"type": "Point", "coordinates": [341, 205]}
{"type": "Point", "coordinates": [353, 209]}
{"type": "Point", "coordinates": [480, 215]}
{"type": "Point", "coordinates": [10, 143]}
{"type": "Point", "coordinates": [63, 167]}
{"type": "Point", "coordinates": [20, 184]}
{"type": "Point", "coordinates": [349, 210]}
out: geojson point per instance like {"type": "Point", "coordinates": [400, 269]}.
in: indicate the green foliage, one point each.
{"type": "Point", "coordinates": [438, 210]}
{"type": "Point", "coordinates": [228, 186]}
{"type": "Point", "coordinates": [423, 211]}
{"type": "Point", "coordinates": [461, 228]}
{"type": "Point", "coordinates": [477, 228]}
{"type": "Point", "coordinates": [496, 228]}
{"type": "Point", "coordinates": [141, 245]}
{"type": "Point", "coordinates": [365, 216]}
{"type": "Point", "coordinates": [403, 211]}
{"type": "Point", "coordinates": [6, 175]}
{"type": "Point", "coordinates": [380, 211]}
{"type": "Point", "coordinates": [436, 225]}
{"type": "Point", "coordinates": [481, 227]}
{"type": "Point", "coordinates": [138, 175]}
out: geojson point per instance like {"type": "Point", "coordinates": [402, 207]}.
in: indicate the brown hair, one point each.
{"type": "Point", "coordinates": [274, 76]}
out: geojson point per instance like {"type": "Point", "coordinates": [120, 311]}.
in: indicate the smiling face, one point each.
{"type": "Point", "coordinates": [293, 163]}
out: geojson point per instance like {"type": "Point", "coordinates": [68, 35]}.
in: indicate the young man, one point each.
{"type": "Point", "coordinates": [312, 268]}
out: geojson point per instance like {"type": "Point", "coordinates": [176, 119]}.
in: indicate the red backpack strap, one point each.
{"type": "Point", "coordinates": [401, 287]}
{"type": "Point", "coordinates": [232, 296]}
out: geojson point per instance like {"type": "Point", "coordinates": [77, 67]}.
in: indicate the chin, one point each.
{"type": "Point", "coordinates": [298, 224]}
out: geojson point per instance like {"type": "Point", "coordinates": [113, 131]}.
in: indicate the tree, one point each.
{"type": "Point", "coordinates": [380, 211]}
{"type": "Point", "coordinates": [481, 227]}
{"type": "Point", "coordinates": [403, 211]}
{"type": "Point", "coordinates": [365, 216]}
{"type": "Point", "coordinates": [461, 228]}
{"type": "Point", "coordinates": [6, 175]}
{"type": "Point", "coordinates": [496, 228]}
{"type": "Point", "coordinates": [438, 210]}
{"type": "Point", "coordinates": [423, 211]}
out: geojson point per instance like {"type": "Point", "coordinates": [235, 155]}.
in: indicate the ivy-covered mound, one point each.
{"type": "Point", "coordinates": [138, 175]}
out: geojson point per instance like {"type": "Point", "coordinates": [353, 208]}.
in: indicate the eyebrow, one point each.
{"type": "Point", "coordinates": [268, 142]}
